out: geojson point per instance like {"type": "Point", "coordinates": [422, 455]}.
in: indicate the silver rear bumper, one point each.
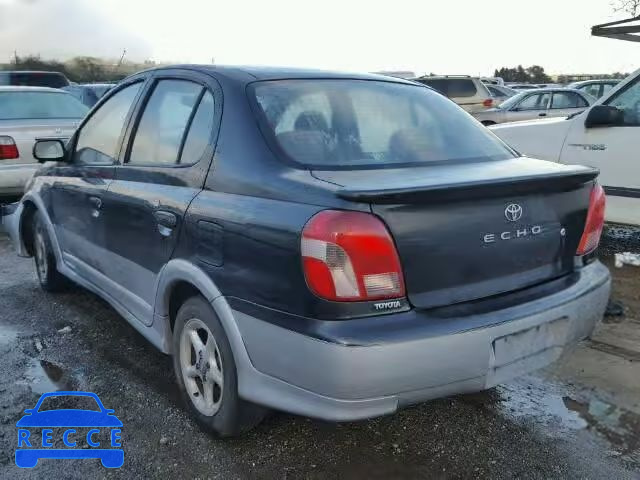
{"type": "Point", "coordinates": [311, 377]}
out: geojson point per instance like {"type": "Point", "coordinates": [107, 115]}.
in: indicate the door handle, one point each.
{"type": "Point", "coordinates": [96, 205]}
{"type": "Point", "coordinates": [95, 202]}
{"type": "Point", "coordinates": [542, 114]}
{"type": "Point", "coordinates": [167, 221]}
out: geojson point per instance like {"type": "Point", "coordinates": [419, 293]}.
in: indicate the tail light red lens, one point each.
{"type": "Point", "coordinates": [350, 257]}
{"type": "Point", "coordinates": [488, 102]}
{"type": "Point", "coordinates": [8, 148]}
{"type": "Point", "coordinates": [595, 222]}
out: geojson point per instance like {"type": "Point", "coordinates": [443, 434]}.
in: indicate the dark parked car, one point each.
{"type": "Point", "coordinates": [33, 79]}
{"type": "Point", "coordinates": [89, 93]}
{"type": "Point", "coordinates": [333, 245]}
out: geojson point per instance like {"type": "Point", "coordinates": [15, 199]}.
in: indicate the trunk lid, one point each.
{"type": "Point", "coordinates": [474, 230]}
{"type": "Point", "coordinates": [26, 132]}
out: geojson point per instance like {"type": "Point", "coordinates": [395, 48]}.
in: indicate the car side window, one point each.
{"type": "Point", "coordinates": [563, 100]}
{"type": "Point", "coordinates": [99, 139]}
{"type": "Point", "coordinates": [592, 89]}
{"type": "Point", "coordinates": [200, 131]}
{"type": "Point", "coordinates": [607, 87]}
{"type": "Point", "coordinates": [628, 100]}
{"type": "Point", "coordinates": [163, 123]}
{"type": "Point", "coordinates": [535, 101]}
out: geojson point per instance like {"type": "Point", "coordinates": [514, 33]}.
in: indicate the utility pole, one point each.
{"type": "Point", "coordinates": [124, 52]}
{"type": "Point", "coordinates": [15, 56]}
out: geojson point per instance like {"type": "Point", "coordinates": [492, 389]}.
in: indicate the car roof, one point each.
{"type": "Point", "coordinates": [599, 80]}
{"type": "Point", "coordinates": [552, 90]}
{"type": "Point", "coordinates": [39, 72]}
{"type": "Point", "coordinates": [24, 88]}
{"type": "Point", "coordinates": [249, 74]}
{"type": "Point", "coordinates": [448, 77]}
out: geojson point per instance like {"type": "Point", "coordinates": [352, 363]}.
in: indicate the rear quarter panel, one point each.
{"type": "Point", "coordinates": [249, 247]}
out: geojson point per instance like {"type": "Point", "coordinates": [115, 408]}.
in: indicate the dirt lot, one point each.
{"type": "Point", "coordinates": [578, 419]}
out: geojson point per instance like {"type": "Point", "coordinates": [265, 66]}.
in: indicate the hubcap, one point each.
{"type": "Point", "coordinates": [201, 365]}
{"type": "Point", "coordinates": [41, 256]}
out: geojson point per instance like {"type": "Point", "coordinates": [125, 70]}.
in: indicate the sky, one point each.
{"type": "Point", "coordinates": [446, 36]}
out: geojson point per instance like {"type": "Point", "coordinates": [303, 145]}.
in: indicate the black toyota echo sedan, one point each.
{"type": "Point", "coordinates": [333, 245]}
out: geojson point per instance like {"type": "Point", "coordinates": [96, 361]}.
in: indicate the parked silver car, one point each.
{"type": "Point", "coordinates": [595, 88]}
{"type": "Point", "coordinates": [27, 114]}
{"type": "Point", "coordinates": [540, 103]}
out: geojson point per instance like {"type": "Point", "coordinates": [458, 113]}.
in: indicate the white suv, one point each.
{"type": "Point", "coordinates": [468, 92]}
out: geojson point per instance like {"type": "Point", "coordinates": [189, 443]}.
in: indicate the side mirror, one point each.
{"type": "Point", "coordinates": [604, 116]}
{"type": "Point", "coordinates": [49, 151]}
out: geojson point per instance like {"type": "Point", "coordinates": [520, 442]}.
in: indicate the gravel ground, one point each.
{"type": "Point", "coordinates": [555, 424]}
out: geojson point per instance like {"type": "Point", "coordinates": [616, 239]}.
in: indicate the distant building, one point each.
{"type": "Point", "coordinates": [579, 77]}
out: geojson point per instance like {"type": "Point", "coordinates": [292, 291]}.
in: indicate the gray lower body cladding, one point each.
{"type": "Point", "coordinates": [312, 377]}
{"type": "Point", "coordinates": [291, 371]}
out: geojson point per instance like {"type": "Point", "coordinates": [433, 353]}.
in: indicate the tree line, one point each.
{"type": "Point", "coordinates": [532, 74]}
{"type": "Point", "coordinates": [79, 69]}
{"type": "Point", "coordinates": [536, 74]}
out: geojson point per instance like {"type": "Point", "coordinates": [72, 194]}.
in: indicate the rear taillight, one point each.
{"type": "Point", "coordinates": [595, 222]}
{"type": "Point", "coordinates": [488, 102]}
{"type": "Point", "coordinates": [8, 148]}
{"type": "Point", "coordinates": [350, 257]}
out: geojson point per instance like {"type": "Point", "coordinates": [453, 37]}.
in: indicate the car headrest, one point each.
{"type": "Point", "coordinates": [311, 120]}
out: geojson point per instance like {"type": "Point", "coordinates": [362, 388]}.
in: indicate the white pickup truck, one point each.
{"type": "Point", "coordinates": [605, 136]}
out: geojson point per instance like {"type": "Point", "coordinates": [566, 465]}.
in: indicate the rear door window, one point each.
{"type": "Point", "coordinates": [199, 134]}
{"type": "Point", "coordinates": [562, 100]}
{"type": "Point", "coordinates": [592, 89]}
{"type": "Point", "coordinates": [164, 122]}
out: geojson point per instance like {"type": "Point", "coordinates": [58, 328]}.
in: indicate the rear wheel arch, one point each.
{"type": "Point", "coordinates": [179, 293]}
{"type": "Point", "coordinates": [26, 225]}
{"type": "Point", "coordinates": [179, 280]}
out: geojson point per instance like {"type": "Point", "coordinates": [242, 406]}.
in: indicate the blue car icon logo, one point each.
{"type": "Point", "coordinates": [84, 432]}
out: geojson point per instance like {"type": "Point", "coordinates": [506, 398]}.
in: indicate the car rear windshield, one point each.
{"type": "Point", "coordinates": [329, 124]}
{"type": "Point", "coordinates": [40, 105]}
{"type": "Point", "coordinates": [34, 79]}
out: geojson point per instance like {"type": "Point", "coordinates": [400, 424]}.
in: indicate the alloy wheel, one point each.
{"type": "Point", "coordinates": [201, 366]}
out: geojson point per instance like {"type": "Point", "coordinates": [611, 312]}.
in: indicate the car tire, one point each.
{"type": "Point", "coordinates": [206, 372]}
{"type": "Point", "coordinates": [51, 280]}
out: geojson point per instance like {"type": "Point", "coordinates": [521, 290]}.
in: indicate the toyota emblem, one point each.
{"type": "Point", "coordinates": [513, 212]}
